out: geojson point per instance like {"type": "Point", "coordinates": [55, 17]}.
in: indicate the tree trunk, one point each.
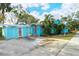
{"type": "Point", "coordinates": [3, 14]}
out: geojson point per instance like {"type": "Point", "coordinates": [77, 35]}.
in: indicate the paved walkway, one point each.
{"type": "Point", "coordinates": [72, 48]}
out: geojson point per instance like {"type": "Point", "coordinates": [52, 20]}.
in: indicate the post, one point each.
{"type": "Point", "coordinates": [28, 31]}
{"type": "Point", "coordinates": [35, 29]}
{"type": "Point", "coordinates": [20, 32]}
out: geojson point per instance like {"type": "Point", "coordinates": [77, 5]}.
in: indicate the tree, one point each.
{"type": "Point", "coordinates": [1, 18]}
{"type": "Point", "coordinates": [63, 18]}
{"type": "Point", "coordinates": [47, 24]}
{"type": "Point", "coordinates": [4, 7]}
{"type": "Point", "coordinates": [23, 16]}
{"type": "Point", "coordinates": [28, 19]}
{"type": "Point", "coordinates": [77, 15]}
{"type": "Point", "coordinates": [49, 17]}
{"type": "Point", "coordinates": [71, 23]}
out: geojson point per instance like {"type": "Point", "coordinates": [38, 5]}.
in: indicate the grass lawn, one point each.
{"type": "Point", "coordinates": [58, 38]}
{"type": "Point", "coordinates": [61, 36]}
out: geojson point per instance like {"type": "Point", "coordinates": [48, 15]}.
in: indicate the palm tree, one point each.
{"type": "Point", "coordinates": [49, 17]}
{"type": "Point", "coordinates": [47, 24]}
{"type": "Point", "coordinates": [4, 7]}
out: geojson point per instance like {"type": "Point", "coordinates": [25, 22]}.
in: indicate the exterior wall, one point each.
{"type": "Point", "coordinates": [13, 31]}
{"type": "Point", "coordinates": [10, 32]}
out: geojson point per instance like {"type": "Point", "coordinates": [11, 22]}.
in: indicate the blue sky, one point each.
{"type": "Point", "coordinates": [52, 6]}
{"type": "Point", "coordinates": [38, 10]}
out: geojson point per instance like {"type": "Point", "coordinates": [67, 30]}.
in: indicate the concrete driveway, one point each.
{"type": "Point", "coordinates": [72, 48]}
{"type": "Point", "coordinates": [23, 47]}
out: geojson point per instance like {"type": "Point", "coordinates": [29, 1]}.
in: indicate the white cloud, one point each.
{"type": "Point", "coordinates": [26, 4]}
{"type": "Point", "coordinates": [45, 6]}
{"type": "Point", "coordinates": [35, 14]}
{"type": "Point", "coordinates": [16, 4]}
{"type": "Point", "coordinates": [56, 13]}
{"type": "Point", "coordinates": [43, 15]}
{"type": "Point", "coordinates": [66, 9]}
{"type": "Point", "coordinates": [34, 5]}
{"type": "Point", "coordinates": [13, 4]}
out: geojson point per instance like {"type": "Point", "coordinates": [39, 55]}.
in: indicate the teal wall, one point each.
{"type": "Point", "coordinates": [13, 31]}
{"type": "Point", "coordinates": [10, 32]}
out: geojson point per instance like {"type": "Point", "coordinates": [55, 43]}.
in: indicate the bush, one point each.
{"type": "Point", "coordinates": [56, 29]}
{"type": "Point", "coordinates": [47, 27]}
{"type": "Point", "coordinates": [60, 28]}
{"type": "Point", "coordinates": [1, 37]}
{"type": "Point", "coordinates": [0, 32]}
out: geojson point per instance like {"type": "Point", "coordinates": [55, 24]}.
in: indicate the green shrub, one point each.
{"type": "Point", "coordinates": [0, 32]}
{"type": "Point", "coordinates": [47, 27]}
{"type": "Point", "coordinates": [1, 37]}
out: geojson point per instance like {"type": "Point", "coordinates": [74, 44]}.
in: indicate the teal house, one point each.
{"type": "Point", "coordinates": [16, 31]}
